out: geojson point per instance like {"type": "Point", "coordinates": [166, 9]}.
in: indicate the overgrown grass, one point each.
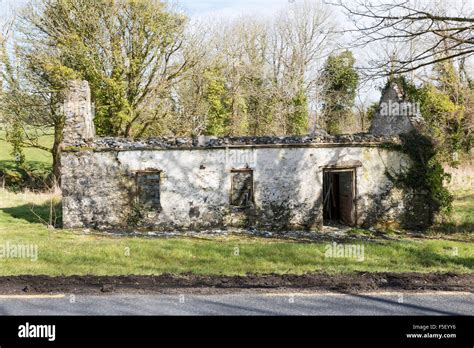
{"type": "Point", "coordinates": [461, 224]}
{"type": "Point", "coordinates": [464, 207]}
{"type": "Point", "coordinates": [62, 252]}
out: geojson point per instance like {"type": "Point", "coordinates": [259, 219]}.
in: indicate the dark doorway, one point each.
{"type": "Point", "coordinates": [339, 193]}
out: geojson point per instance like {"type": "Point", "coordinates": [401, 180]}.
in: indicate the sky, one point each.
{"type": "Point", "coordinates": [200, 9]}
{"type": "Point", "coordinates": [231, 8]}
{"type": "Point", "coordinates": [223, 9]}
{"type": "Point", "coordinates": [8, 6]}
{"type": "Point", "coordinates": [194, 8]}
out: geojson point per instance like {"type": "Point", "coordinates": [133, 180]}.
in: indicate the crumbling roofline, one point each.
{"type": "Point", "coordinates": [252, 146]}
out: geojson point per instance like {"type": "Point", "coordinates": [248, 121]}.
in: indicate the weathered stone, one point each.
{"type": "Point", "coordinates": [78, 126]}
{"type": "Point", "coordinates": [100, 186]}
{"type": "Point", "coordinates": [395, 114]}
{"type": "Point", "coordinates": [287, 184]}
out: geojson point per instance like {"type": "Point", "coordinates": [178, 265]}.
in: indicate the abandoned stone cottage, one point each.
{"type": "Point", "coordinates": [207, 182]}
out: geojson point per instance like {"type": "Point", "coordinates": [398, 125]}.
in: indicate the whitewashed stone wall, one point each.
{"type": "Point", "coordinates": [196, 184]}
{"type": "Point", "coordinates": [99, 177]}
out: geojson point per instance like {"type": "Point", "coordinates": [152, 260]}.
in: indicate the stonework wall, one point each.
{"type": "Point", "coordinates": [94, 188]}
{"type": "Point", "coordinates": [79, 126]}
{"type": "Point", "coordinates": [392, 116]}
{"type": "Point", "coordinates": [195, 186]}
{"type": "Point", "coordinates": [187, 183]}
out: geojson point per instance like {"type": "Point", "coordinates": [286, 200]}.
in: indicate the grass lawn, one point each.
{"type": "Point", "coordinates": [37, 162]}
{"type": "Point", "coordinates": [463, 215]}
{"type": "Point", "coordinates": [32, 155]}
{"type": "Point", "coordinates": [62, 252]}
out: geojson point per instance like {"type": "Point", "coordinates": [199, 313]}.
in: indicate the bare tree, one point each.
{"type": "Point", "coordinates": [265, 64]}
{"type": "Point", "coordinates": [441, 31]}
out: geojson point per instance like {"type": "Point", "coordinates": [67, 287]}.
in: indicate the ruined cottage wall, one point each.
{"type": "Point", "coordinates": [391, 118]}
{"type": "Point", "coordinates": [99, 176]}
{"type": "Point", "coordinates": [95, 190]}
{"type": "Point", "coordinates": [195, 185]}
{"type": "Point", "coordinates": [79, 125]}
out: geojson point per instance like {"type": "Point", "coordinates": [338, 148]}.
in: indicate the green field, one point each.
{"type": "Point", "coordinates": [31, 154]}
{"type": "Point", "coordinates": [463, 214]}
{"type": "Point", "coordinates": [24, 218]}
{"type": "Point", "coordinates": [62, 252]}
{"type": "Point", "coordinates": [34, 173]}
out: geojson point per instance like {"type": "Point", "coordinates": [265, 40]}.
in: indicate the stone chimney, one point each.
{"type": "Point", "coordinates": [78, 125]}
{"type": "Point", "coordinates": [395, 114]}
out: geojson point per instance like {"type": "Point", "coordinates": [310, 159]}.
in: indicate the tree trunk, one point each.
{"type": "Point", "coordinates": [56, 149]}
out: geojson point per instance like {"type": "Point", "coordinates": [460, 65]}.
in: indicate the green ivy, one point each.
{"type": "Point", "coordinates": [298, 120]}
{"type": "Point", "coordinates": [340, 80]}
{"type": "Point", "coordinates": [429, 149]}
{"type": "Point", "coordinates": [425, 179]}
{"type": "Point", "coordinates": [216, 96]}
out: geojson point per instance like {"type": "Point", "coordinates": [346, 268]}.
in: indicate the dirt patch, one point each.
{"type": "Point", "coordinates": [189, 283]}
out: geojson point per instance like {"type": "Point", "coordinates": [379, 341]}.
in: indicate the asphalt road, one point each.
{"type": "Point", "coordinates": [242, 304]}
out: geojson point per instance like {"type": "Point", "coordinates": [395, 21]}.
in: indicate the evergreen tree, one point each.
{"type": "Point", "coordinates": [340, 81]}
{"type": "Point", "coordinates": [298, 119]}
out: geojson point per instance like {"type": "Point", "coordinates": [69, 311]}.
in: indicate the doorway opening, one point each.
{"type": "Point", "coordinates": [339, 193]}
